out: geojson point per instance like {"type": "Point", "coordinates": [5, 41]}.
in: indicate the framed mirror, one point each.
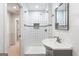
{"type": "Point", "coordinates": [62, 17]}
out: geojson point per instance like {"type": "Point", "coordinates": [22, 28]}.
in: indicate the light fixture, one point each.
{"type": "Point", "coordinates": [14, 7]}
{"type": "Point", "coordinates": [36, 6]}
{"type": "Point", "coordinates": [47, 9]}
{"type": "Point", "coordinates": [57, 6]}
{"type": "Point", "coordinates": [17, 18]}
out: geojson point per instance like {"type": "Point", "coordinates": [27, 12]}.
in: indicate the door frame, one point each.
{"type": "Point", "coordinates": [20, 36]}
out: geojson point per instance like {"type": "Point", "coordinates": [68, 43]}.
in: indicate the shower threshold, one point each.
{"type": "Point", "coordinates": [35, 51]}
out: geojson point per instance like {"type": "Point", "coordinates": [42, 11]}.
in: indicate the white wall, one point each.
{"type": "Point", "coordinates": [71, 36]}
{"type": "Point", "coordinates": [6, 25]}
{"type": "Point", "coordinates": [3, 28]}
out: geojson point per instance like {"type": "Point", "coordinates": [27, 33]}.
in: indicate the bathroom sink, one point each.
{"type": "Point", "coordinates": [53, 44]}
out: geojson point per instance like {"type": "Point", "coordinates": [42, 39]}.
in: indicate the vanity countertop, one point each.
{"type": "Point", "coordinates": [53, 44]}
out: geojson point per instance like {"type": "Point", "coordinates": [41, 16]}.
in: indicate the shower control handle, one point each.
{"type": "Point", "coordinates": [45, 30]}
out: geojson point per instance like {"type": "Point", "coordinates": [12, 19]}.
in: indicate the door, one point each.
{"type": "Point", "coordinates": [15, 29]}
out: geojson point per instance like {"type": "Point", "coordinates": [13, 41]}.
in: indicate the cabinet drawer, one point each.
{"type": "Point", "coordinates": [62, 52]}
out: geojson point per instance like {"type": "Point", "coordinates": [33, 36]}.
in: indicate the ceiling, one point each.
{"type": "Point", "coordinates": [13, 8]}
{"type": "Point", "coordinates": [36, 6]}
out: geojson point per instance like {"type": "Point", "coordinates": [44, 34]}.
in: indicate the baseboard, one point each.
{"type": "Point", "coordinates": [34, 54]}
{"type": "Point", "coordinates": [3, 54]}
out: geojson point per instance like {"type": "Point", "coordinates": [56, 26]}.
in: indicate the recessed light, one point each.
{"type": "Point", "coordinates": [14, 7]}
{"type": "Point", "coordinates": [47, 9]}
{"type": "Point", "coordinates": [57, 6]}
{"type": "Point", "coordinates": [36, 6]}
{"type": "Point", "coordinates": [16, 19]}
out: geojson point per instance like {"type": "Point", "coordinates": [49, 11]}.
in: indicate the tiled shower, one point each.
{"type": "Point", "coordinates": [36, 29]}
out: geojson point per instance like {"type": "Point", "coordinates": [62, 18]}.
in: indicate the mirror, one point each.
{"type": "Point", "coordinates": [62, 17]}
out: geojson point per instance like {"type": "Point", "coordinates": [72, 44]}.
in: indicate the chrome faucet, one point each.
{"type": "Point", "coordinates": [58, 39]}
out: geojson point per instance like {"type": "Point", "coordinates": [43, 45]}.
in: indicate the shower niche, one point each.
{"type": "Point", "coordinates": [36, 25]}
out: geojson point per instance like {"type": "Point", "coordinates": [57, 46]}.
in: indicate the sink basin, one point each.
{"type": "Point", "coordinates": [52, 43]}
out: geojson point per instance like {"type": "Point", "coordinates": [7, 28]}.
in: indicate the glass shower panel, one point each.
{"type": "Point", "coordinates": [33, 37]}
